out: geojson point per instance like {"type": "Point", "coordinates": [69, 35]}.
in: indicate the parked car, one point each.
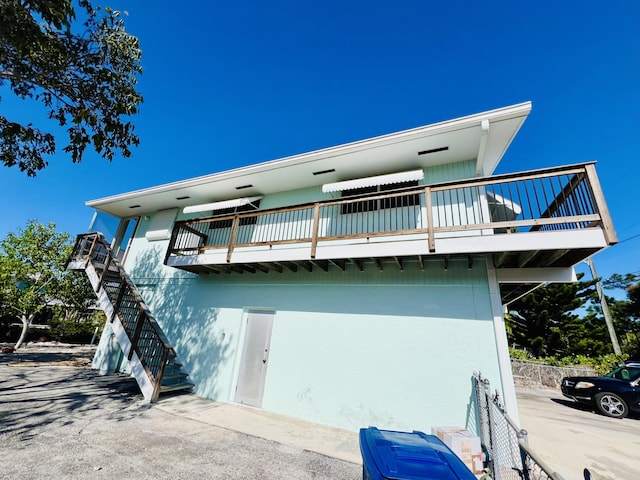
{"type": "Point", "coordinates": [615, 394]}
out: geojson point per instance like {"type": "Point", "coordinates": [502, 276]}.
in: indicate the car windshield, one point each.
{"type": "Point", "coordinates": [625, 372]}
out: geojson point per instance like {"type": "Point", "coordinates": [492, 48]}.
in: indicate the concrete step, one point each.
{"type": "Point", "coordinates": [172, 368]}
{"type": "Point", "coordinates": [176, 387]}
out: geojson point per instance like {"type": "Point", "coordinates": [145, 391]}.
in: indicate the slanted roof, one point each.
{"type": "Point", "coordinates": [483, 137]}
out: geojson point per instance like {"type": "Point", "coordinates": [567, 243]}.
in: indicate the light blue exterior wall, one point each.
{"type": "Point", "coordinates": [449, 172]}
{"type": "Point", "coordinates": [394, 356]}
{"type": "Point", "coordinates": [390, 348]}
{"type": "Point", "coordinates": [395, 349]}
{"type": "Point", "coordinates": [294, 197]}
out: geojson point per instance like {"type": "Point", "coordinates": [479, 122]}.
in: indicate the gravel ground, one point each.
{"type": "Point", "coordinates": [60, 420]}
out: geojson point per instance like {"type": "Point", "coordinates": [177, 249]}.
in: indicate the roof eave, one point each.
{"type": "Point", "coordinates": [500, 114]}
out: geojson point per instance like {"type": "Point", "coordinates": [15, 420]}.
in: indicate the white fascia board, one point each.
{"type": "Point", "coordinates": [571, 239]}
{"type": "Point", "coordinates": [537, 275]}
{"type": "Point", "coordinates": [373, 181]}
{"type": "Point", "coordinates": [514, 111]}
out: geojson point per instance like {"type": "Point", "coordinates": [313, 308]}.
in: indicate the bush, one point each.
{"type": "Point", "coordinates": [518, 354]}
{"type": "Point", "coordinates": [601, 364]}
{"type": "Point", "coordinates": [75, 330]}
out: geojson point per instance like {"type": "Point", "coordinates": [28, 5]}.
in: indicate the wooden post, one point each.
{"type": "Point", "coordinates": [430, 229]}
{"type": "Point", "coordinates": [605, 217]}
{"type": "Point", "coordinates": [90, 254]}
{"type": "Point", "coordinates": [157, 380]}
{"type": "Point", "coordinates": [172, 242]}
{"type": "Point", "coordinates": [116, 305]}
{"type": "Point", "coordinates": [105, 269]}
{"type": "Point", "coordinates": [316, 226]}
{"type": "Point", "coordinates": [232, 237]}
{"type": "Point", "coordinates": [136, 335]}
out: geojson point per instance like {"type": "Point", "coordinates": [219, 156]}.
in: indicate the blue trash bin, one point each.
{"type": "Point", "coordinates": [390, 455]}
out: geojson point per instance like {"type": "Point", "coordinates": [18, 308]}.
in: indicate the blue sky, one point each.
{"type": "Point", "coordinates": [228, 84]}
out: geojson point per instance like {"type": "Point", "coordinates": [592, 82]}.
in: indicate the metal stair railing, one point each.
{"type": "Point", "coordinates": [147, 342]}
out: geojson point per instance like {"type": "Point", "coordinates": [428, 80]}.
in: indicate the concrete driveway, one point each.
{"type": "Point", "coordinates": [64, 422]}
{"type": "Point", "coordinates": [571, 437]}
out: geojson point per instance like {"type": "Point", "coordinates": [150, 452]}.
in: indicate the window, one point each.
{"type": "Point", "coordinates": [227, 222]}
{"type": "Point", "coordinates": [399, 201]}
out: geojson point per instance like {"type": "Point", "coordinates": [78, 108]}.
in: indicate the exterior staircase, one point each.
{"type": "Point", "coordinates": [153, 361]}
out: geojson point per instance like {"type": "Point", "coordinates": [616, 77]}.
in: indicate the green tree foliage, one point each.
{"type": "Point", "coordinates": [75, 328]}
{"type": "Point", "coordinates": [626, 313]}
{"type": "Point", "coordinates": [83, 72]}
{"type": "Point", "coordinates": [545, 323]}
{"type": "Point", "coordinates": [33, 275]}
{"type": "Point", "coordinates": [566, 321]}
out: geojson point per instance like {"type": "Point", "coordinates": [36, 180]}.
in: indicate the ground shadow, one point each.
{"type": "Point", "coordinates": [189, 323]}
{"type": "Point", "coordinates": [21, 356]}
{"type": "Point", "coordinates": [571, 404]}
{"type": "Point", "coordinates": [34, 399]}
{"type": "Point", "coordinates": [586, 408]}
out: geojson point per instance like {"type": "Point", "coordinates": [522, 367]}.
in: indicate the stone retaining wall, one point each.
{"type": "Point", "coordinates": [533, 374]}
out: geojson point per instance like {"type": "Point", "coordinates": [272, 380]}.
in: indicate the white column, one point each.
{"type": "Point", "coordinates": [506, 374]}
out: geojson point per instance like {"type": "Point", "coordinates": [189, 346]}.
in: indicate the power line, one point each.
{"type": "Point", "coordinates": [629, 238]}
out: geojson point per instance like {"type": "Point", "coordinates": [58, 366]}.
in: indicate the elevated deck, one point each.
{"type": "Point", "coordinates": [551, 218]}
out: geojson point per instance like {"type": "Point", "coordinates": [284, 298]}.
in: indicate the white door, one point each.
{"type": "Point", "coordinates": [255, 356]}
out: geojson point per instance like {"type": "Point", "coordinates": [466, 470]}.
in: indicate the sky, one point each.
{"type": "Point", "coordinates": [229, 84]}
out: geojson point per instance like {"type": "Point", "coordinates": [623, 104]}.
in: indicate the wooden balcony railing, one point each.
{"type": "Point", "coordinates": [555, 199]}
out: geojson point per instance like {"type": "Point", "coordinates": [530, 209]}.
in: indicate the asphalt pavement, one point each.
{"type": "Point", "coordinates": [60, 420]}
{"type": "Point", "coordinates": [571, 437]}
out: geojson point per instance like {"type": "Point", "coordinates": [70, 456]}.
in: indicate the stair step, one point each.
{"type": "Point", "coordinates": [172, 376]}
{"type": "Point", "coordinates": [176, 387]}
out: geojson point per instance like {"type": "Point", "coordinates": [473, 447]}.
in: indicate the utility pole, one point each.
{"type": "Point", "coordinates": [605, 309]}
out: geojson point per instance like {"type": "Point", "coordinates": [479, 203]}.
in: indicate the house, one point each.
{"type": "Point", "coordinates": [351, 286]}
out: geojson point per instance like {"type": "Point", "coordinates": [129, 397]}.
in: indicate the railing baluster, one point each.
{"type": "Point", "coordinates": [527, 185]}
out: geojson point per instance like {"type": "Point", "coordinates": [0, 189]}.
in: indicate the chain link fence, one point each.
{"type": "Point", "coordinates": [508, 454]}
